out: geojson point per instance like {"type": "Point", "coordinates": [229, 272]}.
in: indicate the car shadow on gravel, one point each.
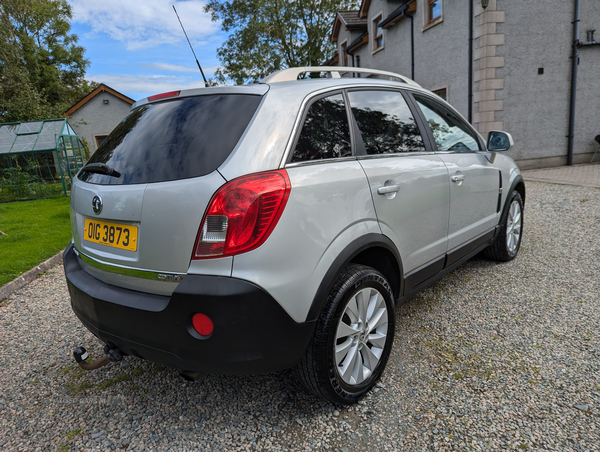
{"type": "Point", "coordinates": [273, 409]}
{"type": "Point", "coordinates": [270, 409]}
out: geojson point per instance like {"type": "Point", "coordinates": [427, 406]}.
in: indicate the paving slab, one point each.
{"type": "Point", "coordinates": [587, 175]}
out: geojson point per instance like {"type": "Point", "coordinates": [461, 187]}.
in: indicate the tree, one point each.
{"type": "Point", "coordinates": [268, 35]}
{"type": "Point", "coordinates": [42, 68]}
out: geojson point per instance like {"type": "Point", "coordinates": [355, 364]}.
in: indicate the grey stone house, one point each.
{"type": "Point", "coordinates": [98, 113]}
{"type": "Point", "coordinates": [521, 65]}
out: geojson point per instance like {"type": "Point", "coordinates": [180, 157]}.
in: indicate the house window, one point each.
{"type": "Point", "coordinates": [344, 54]}
{"type": "Point", "coordinates": [99, 140]}
{"type": "Point", "coordinates": [442, 93]}
{"type": "Point", "coordinates": [378, 33]}
{"type": "Point", "coordinates": [434, 10]}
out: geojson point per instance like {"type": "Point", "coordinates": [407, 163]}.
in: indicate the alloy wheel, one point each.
{"type": "Point", "coordinates": [361, 336]}
{"type": "Point", "coordinates": [513, 227]}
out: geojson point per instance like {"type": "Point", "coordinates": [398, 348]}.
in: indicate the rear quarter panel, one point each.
{"type": "Point", "coordinates": [329, 206]}
{"type": "Point", "coordinates": [262, 146]}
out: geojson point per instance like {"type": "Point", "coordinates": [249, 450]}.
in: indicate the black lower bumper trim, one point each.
{"type": "Point", "coordinates": [252, 332]}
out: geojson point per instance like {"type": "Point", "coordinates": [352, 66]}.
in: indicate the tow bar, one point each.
{"type": "Point", "coordinates": [112, 354]}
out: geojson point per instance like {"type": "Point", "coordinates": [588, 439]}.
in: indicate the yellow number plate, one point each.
{"type": "Point", "coordinates": [117, 235]}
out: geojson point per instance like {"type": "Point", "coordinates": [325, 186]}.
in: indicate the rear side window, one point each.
{"type": "Point", "coordinates": [173, 140]}
{"type": "Point", "coordinates": [450, 132]}
{"type": "Point", "coordinates": [325, 133]}
{"type": "Point", "coordinates": [386, 124]}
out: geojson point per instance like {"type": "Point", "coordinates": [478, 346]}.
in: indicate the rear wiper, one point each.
{"type": "Point", "coordinates": [101, 168]}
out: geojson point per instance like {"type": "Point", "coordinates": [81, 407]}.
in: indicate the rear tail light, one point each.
{"type": "Point", "coordinates": [242, 214]}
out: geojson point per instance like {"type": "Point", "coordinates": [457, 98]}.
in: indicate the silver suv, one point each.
{"type": "Point", "coordinates": [249, 229]}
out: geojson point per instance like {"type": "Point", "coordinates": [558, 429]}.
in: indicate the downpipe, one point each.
{"type": "Point", "coordinates": [470, 65]}
{"type": "Point", "coordinates": [111, 354]}
{"type": "Point", "coordinates": [573, 99]}
{"type": "Point", "coordinates": [412, 44]}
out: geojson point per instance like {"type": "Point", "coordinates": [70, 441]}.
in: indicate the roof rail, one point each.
{"type": "Point", "coordinates": [291, 74]}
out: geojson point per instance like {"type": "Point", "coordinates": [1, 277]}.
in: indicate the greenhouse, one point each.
{"type": "Point", "coordinates": [38, 159]}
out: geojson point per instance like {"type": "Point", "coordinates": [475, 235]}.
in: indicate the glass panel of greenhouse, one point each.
{"type": "Point", "coordinates": [39, 159]}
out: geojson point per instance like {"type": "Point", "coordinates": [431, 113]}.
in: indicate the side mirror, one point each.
{"type": "Point", "coordinates": [499, 141]}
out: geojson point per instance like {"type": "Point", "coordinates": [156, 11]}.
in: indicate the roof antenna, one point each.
{"type": "Point", "coordinates": [188, 40]}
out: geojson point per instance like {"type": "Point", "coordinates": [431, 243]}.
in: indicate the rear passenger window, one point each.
{"type": "Point", "coordinates": [386, 123]}
{"type": "Point", "coordinates": [325, 133]}
{"type": "Point", "coordinates": [449, 130]}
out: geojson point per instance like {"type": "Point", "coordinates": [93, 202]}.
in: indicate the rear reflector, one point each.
{"type": "Point", "coordinates": [202, 324]}
{"type": "Point", "coordinates": [164, 95]}
{"type": "Point", "coordinates": [242, 214]}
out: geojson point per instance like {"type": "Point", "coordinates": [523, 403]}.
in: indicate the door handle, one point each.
{"type": "Point", "coordinates": [388, 189]}
{"type": "Point", "coordinates": [458, 178]}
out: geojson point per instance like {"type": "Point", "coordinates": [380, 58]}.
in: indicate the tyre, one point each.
{"type": "Point", "coordinates": [353, 337]}
{"type": "Point", "coordinates": [508, 241]}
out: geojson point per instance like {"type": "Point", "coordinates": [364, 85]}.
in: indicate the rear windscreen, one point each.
{"type": "Point", "coordinates": [173, 140]}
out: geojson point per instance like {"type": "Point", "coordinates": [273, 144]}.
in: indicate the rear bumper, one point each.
{"type": "Point", "coordinates": [252, 333]}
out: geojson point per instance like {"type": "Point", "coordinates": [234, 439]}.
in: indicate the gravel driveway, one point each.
{"type": "Point", "coordinates": [493, 357]}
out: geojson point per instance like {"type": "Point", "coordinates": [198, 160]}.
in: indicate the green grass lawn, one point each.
{"type": "Point", "coordinates": [36, 230]}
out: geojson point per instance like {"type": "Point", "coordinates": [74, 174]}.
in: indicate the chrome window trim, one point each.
{"type": "Point", "coordinates": [482, 151]}
{"type": "Point", "coordinates": [317, 162]}
{"type": "Point", "coordinates": [359, 157]}
{"type": "Point", "coordinates": [395, 154]}
{"type": "Point", "coordinates": [127, 271]}
{"type": "Point", "coordinates": [470, 151]}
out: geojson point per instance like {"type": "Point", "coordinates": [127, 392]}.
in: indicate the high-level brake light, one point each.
{"type": "Point", "coordinates": [164, 95]}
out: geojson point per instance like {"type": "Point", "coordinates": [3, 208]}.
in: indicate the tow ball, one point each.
{"type": "Point", "coordinates": [111, 354]}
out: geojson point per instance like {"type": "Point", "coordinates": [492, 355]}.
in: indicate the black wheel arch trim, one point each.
{"type": "Point", "coordinates": [513, 186]}
{"type": "Point", "coordinates": [518, 180]}
{"type": "Point", "coordinates": [352, 250]}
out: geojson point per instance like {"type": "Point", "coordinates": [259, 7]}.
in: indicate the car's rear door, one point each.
{"type": "Point", "coordinates": [408, 181]}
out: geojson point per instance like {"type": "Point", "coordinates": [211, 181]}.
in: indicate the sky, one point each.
{"type": "Point", "coordinates": [137, 47]}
